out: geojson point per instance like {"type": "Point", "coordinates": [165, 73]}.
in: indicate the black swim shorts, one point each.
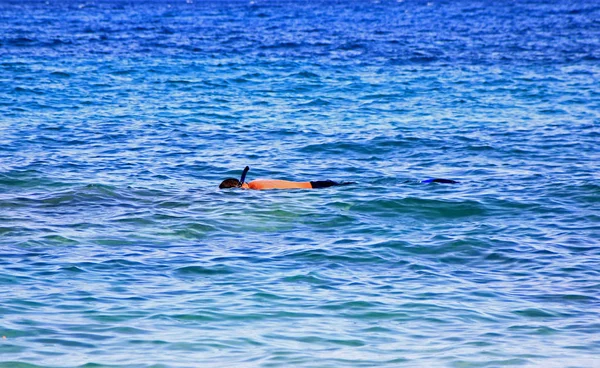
{"type": "Point", "coordinates": [327, 183]}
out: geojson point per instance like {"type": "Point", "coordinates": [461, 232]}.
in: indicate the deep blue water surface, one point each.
{"type": "Point", "coordinates": [118, 120]}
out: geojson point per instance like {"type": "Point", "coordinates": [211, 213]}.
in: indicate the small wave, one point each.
{"type": "Point", "coordinates": [58, 239]}
{"type": "Point", "coordinates": [422, 59]}
{"type": "Point", "coordinates": [178, 81]}
{"type": "Point", "coordinates": [307, 279]}
{"type": "Point", "coordinates": [355, 305]}
{"type": "Point", "coordinates": [306, 75]}
{"type": "Point", "coordinates": [73, 269]}
{"type": "Point", "coordinates": [315, 103]}
{"type": "Point", "coordinates": [26, 90]}
{"type": "Point", "coordinates": [502, 257]}
{"type": "Point", "coordinates": [123, 72]}
{"type": "Point", "coordinates": [352, 46]}
{"type": "Point", "coordinates": [442, 209]}
{"type": "Point", "coordinates": [418, 58]}
{"type": "Point", "coordinates": [371, 147]}
{"type": "Point", "coordinates": [58, 42]}
{"type": "Point", "coordinates": [207, 271]}
{"type": "Point", "coordinates": [381, 96]}
{"type": "Point", "coordinates": [20, 41]}
{"type": "Point", "coordinates": [281, 45]}
{"type": "Point", "coordinates": [63, 342]}
{"type": "Point", "coordinates": [61, 74]}
{"type": "Point", "coordinates": [194, 231]}
{"type": "Point", "coordinates": [319, 255]}
{"type": "Point", "coordinates": [535, 313]}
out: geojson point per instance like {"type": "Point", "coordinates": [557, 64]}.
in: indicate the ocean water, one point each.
{"type": "Point", "coordinates": [119, 119]}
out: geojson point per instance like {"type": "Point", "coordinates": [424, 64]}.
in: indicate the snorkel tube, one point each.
{"type": "Point", "coordinates": [246, 169]}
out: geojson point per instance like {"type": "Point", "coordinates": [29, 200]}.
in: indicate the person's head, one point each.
{"type": "Point", "coordinates": [230, 183]}
{"type": "Point", "coordinates": [234, 183]}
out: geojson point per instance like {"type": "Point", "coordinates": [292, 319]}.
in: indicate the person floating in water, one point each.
{"type": "Point", "coordinates": [265, 184]}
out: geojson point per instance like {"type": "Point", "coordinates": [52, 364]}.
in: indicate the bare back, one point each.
{"type": "Point", "coordinates": [278, 184]}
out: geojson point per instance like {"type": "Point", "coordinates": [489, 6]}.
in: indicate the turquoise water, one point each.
{"type": "Point", "coordinates": [118, 121]}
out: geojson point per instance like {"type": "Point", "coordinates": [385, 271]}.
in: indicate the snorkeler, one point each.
{"type": "Point", "coordinates": [265, 184]}
{"type": "Point", "coordinates": [276, 184]}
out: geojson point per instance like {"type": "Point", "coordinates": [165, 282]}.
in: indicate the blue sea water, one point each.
{"type": "Point", "coordinates": [119, 119]}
